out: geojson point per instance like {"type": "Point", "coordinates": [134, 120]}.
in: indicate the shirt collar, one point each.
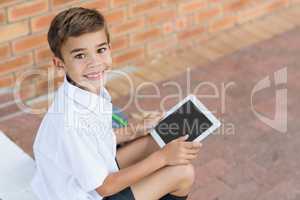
{"type": "Point", "coordinates": [94, 102]}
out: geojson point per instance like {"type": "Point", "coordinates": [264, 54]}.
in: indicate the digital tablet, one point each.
{"type": "Point", "coordinates": [190, 117]}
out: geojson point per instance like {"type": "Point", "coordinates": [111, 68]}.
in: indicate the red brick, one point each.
{"type": "Point", "coordinates": [191, 6]}
{"type": "Point", "coordinates": [185, 22]}
{"type": "Point", "coordinates": [279, 190]}
{"type": "Point", "coordinates": [25, 77]}
{"type": "Point", "coordinates": [46, 66]}
{"type": "Point", "coordinates": [29, 42]}
{"type": "Point", "coordinates": [168, 27]}
{"type": "Point", "coordinates": [115, 16]}
{"type": "Point", "coordinates": [41, 22]}
{"type": "Point", "coordinates": [42, 87]}
{"type": "Point", "coordinates": [215, 2]}
{"type": "Point", "coordinates": [211, 170]}
{"type": "Point", "coordinates": [216, 189]}
{"type": "Point", "coordinates": [191, 33]}
{"type": "Point", "coordinates": [98, 4]}
{"type": "Point", "coordinates": [128, 26]}
{"type": "Point", "coordinates": [27, 9]}
{"type": "Point", "coordinates": [6, 81]}
{"type": "Point", "coordinates": [12, 31]}
{"type": "Point", "coordinates": [207, 15]}
{"type": "Point", "coordinates": [9, 109]}
{"type": "Point", "coordinates": [144, 7]}
{"type": "Point", "coordinates": [217, 167]}
{"type": "Point", "coordinates": [6, 96]}
{"type": "Point", "coordinates": [294, 2]}
{"type": "Point", "coordinates": [120, 43]}
{"type": "Point", "coordinates": [2, 16]}
{"type": "Point", "coordinates": [222, 24]}
{"type": "Point", "coordinates": [236, 5]}
{"type": "Point", "coordinates": [161, 16]}
{"type": "Point", "coordinates": [277, 4]}
{"type": "Point", "coordinates": [146, 35]}
{"type": "Point", "coordinates": [15, 63]}
{"type": "Point", "coordinates": [168, 3]}
{"type": "Point", "coordinates": [251, 13]}
{"type": "Point", "coordinates": [42, 104]}
{"type": "Point", "coordinates": [4, 51]}
{"type": "Point", "coordinates": [181, 23]}
{"type": "Point", "coordinates": [161, 45]}
{"type": "Point", "coordinates": [43, 55]}
{"type": "Point", "coordinates": [5, 3]}
{"type": "Point", "coordinates": [129, 55]}
{"type": "Point", "coordinates": [58, 81]}
{"type": "Point", "coordinates": [62, 2]}
{"type": "Point", "coordinates": [116, 3]}
{"type": "Point", "coordinates": [27, 91]}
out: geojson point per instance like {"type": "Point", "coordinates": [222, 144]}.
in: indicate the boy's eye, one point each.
{"type": "Point", "coordinates": [101, 50]}
{"type": "Point", "coordinates": [80, 56]}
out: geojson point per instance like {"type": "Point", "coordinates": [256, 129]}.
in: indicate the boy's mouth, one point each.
{"type": "Point", "coordinates": [94, 75]}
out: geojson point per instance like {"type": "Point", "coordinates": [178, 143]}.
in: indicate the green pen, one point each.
{"type": "Point", "coordinates": [119, 120]}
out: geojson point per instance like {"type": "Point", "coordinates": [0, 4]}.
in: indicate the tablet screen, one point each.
{"type": "Point", "coordinates": [187, 119]}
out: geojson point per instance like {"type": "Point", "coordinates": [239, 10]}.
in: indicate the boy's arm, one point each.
{"type": "Point", "coordinates": [117, 181]}
{"type": "Point", "coordinates": [138, 129]}
{"type": "Point", "coordinates": [128, 133]}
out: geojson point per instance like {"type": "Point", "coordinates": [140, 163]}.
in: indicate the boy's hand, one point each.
{"type": "Point", "coordinates": [179, 152]}
{"type": "Point", "coordinates": [149, 121]}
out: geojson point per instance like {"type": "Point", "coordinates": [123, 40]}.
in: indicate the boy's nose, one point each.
{"type": "Point", "coordinates": [94, 59]}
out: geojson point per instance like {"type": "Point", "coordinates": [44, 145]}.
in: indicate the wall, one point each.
{"type": "Point", "coordinates": [139, 28]}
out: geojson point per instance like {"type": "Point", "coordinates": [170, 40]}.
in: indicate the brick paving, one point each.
{"type": "Point", "coordinates": [247, 159]}
{"type": "Point", "coordinates": [254, 161]}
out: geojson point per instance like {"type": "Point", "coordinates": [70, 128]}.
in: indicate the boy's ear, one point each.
{"type": "Point", "coordinates": [58, 63]}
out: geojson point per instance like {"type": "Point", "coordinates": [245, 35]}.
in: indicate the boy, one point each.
{"type": "Point", "coordinates": [75, 148]}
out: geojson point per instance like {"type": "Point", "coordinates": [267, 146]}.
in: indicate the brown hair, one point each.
{"type": "Point", "coordinates": [74, 22]}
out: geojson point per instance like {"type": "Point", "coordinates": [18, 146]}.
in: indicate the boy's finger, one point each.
{"type": "Point", "coordinates": [182, 138]}
{"type": "Point", "coordinates": [191, 145]}
{"type": "Point", "coordinates": [197, 144]}
{"type": "Point", "coordinates": [192, 151]}
{"type": "Point", "coordinates": [190, 156]}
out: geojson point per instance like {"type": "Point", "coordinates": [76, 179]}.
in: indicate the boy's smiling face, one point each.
{"type": "Point", "coordinates": [86, 59]}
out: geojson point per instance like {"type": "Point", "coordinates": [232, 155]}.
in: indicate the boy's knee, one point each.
{"type": "Point", "coordinates": [189, 173]}
{"type": "Point", "coordinates": [186, 174]}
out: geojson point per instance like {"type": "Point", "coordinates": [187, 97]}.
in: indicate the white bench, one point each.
{"type": "Point", "coordinates": [16, 171]}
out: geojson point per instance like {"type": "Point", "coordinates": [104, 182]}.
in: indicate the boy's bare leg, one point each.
{"type": "Point", "coordinates": [176, 180]}
{"type": "Point", "coordinates": [136, 150]}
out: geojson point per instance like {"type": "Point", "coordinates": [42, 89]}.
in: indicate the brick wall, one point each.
{"type": "Point", "coordinates": [139, 28]}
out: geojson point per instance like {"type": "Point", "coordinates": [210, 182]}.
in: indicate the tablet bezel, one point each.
{"type": "Point", "coordinates": [215, 122]}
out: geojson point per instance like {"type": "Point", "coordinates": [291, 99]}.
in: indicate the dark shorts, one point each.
{"type": "Point", "coordinates": [125, 194]}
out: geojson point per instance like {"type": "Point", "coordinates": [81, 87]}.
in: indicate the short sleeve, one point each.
{"type": "Point", "coordinates": [86, 163]}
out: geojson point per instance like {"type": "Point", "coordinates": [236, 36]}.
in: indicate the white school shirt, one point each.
{"type": "Point", "coordinates": [75, 147]}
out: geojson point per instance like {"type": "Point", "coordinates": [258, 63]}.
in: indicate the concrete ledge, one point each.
{"type": "Point", "coordinates": [16, 171]}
